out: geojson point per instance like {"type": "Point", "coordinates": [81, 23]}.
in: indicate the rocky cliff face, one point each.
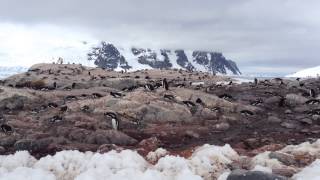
{"type": "Point", "coordinates": [109, 57]}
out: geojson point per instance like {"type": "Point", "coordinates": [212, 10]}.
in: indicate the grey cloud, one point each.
{"type": "Point", "coordinates": [254, 33]}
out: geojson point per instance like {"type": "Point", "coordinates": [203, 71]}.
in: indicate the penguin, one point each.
{"type": "Point", "coordinates": [246, 113]}
{"type": "Point", "coordinates": [149, 87]}
{"type": "Point", "coordinates": [85, 108]}
{"type": "Point", "coordinates": [52, 105]}
{"type": "Point", "coordinates": [55, 119]}
{"type": "Point", "coordinates": [89, 73]}
{"type": "Point", "coordinates": [114, 120]}
{"type": "Point", "coordinates": [189, 103]}
{"type": "Point", "coordinates": [6, 128]}
{"type": "Point", "coordinates": [168, 96]}
{"type": "Point", "coordinates": [313, 102]}
{"type": "Point", "coordinates": [64, 108]}
{"type": "Point", "coordinates": [230, 83]}
{"type": "Point", "coordinates": [115, 94]}
{"type": "Point", "coordinates": [199, 101]}
{"type": "Point", "coordinates": [165, 84]}
{"type": "Point", "coordinates": [312, 93]}
{"type": "Point", "coordinates": [96, 95]}
{"type": "Point", "coordinates": [73, 85]}
{"type": "Point", "coordinates": [282, 101]}
{"type": "Point", "coordinates": [255, 81]}
{"type": "Point", "coordinates": [55, 85]}
{"type": "Point", "coordinates": [226, 97]}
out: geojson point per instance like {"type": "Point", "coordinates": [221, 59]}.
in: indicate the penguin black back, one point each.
{"type": "Point", "coordinates": [165, 84]}
{"type": "Point", "coordinates": [6, 128]}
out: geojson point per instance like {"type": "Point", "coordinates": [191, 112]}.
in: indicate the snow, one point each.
{"type": "Point", "coordinates": [206, 162]}
{"type": "Point", "coordinates": [155, 155]}
{"type": "Point", "coordinates": [122, 165]}
{"type": "Point", "coordinates": [307, 73]}
{"type": "Point", "coordinates": [264, 160]}
{"type": "Point", "coordinates": [311, 172]}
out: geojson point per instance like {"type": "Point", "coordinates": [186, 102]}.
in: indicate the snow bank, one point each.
{"type": "Point", "coordinates": [307, 73]}
{"type": "Point", "coordinates": [206, 162]}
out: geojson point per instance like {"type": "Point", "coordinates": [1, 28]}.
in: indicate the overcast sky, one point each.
{"type": "Point", "coordinates": [261, 36]}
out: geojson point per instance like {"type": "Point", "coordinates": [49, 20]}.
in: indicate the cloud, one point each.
{"type": "Point", "coordinates": [254, 33]}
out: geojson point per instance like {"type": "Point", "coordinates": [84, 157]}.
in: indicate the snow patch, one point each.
{"type": "Point", "coordinates": [307, 73]}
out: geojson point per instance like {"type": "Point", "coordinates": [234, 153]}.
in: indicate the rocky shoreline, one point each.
{"type": "Point", "coordinates": [53, 108]}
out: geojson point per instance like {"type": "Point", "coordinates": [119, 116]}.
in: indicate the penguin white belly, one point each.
{"type": "Point", "coordinates": [114, 124]}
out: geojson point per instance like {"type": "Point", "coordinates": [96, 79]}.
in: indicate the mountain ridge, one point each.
{"type": "Point", "coordinates": [108, 56]}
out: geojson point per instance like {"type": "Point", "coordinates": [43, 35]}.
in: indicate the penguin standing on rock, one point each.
{"type": "Point", "coordinates": [312, 93]}
{"type": "Point", "coordinates": [114, 120]}
{"type": "Point", "coordinates": [149, 87]}
{"type": "Point", "coordinates": [6, 128]}
{"type": "Point", "coordinates": [255, 81]}
{"type": "Point", "coordinates": [115, 94]}
{"type": "Point", "coordinates": [165, 84]}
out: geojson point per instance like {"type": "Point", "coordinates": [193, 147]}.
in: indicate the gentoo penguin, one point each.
{"type": "Point", "coordinates": [255, 81]}
{"type": "Point", "coordinates": [114, 119]}
{"type": "Point", "coordinates": [312, 93]}
{"type": "Point", "coordinates": [115, 94]}
{"type": "Point", "coordinates": [6, 128]}
{"type": "Point", "coordinates": [64, 108]}
{"type": "Point", "coordinates": [149, 87]}
{"type": "Point", "coordinates": [282, 101]}
{"type": "Point", "coordinates": [55, 85]}
{"type": "Point", "coordinates": [55, 119]}
{"type": "Point", "coordinates": [230, 83]}
{"type": "Point", "coordinates": [85, 108]}
{"type": "Point", "coordinates": [189, 103]}
{"type": "Point", "coordinates": [199, 101]}
{"type": "Point", "coordinates": [165, 84]}
{"type": "Point", "coordinates": [89, 73]}
{"type": "Point", "coordinates": [73, 85]}
{"type": "Point", "coordinates": [168, 96]}
{"type": "Point", "coordinates": [246, 113]}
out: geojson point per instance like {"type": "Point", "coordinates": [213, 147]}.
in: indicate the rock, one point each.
{"type": "Point", "coordinates": [112, 137]}
{"type": "Point", "coordinates": [294, 99]}
{"type": "Point", "coordinates": [150, 144]}
{"type": "Point", "coordinates": [2, 150]}
{"type": "Point", "coordinates": [252, 143]}
{"type": "Point", "coordinates": [253, 175]}
{"type": "Point", "coordinates": [274, 119]}
{"type": "Point", "coordinates": [192, 134]}
{"type": "Point", "coordinates": [288, 111]}
{"type": "Point", "coordinates": [104, 148]}
{"type": "Point", "coordinates": [222, 126]}
{"type": "Point", "coordinates": [288, 125]}
{"type": "Point", "coordinates": [15, 102]}
{"type": "Point", "coordinates": [287, 171]}
{"type": "Point", "coordinates": [286, 159]}
{"type": "Point", "coordinates": [31, 145]}
{"type": "Point", "coordinates": [7, 141]}
{"type": "Point", "coordinates": [316, 117]}
{"type": "Point", "coordinates": [306, 121]}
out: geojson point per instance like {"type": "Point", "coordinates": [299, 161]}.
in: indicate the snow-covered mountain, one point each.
{"type": "Point", "coordinates": [110, 57]}
{"type": "Point", "coordinates": [8, 71]}
{"type": "Point", "coordinates": [307, 73]}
